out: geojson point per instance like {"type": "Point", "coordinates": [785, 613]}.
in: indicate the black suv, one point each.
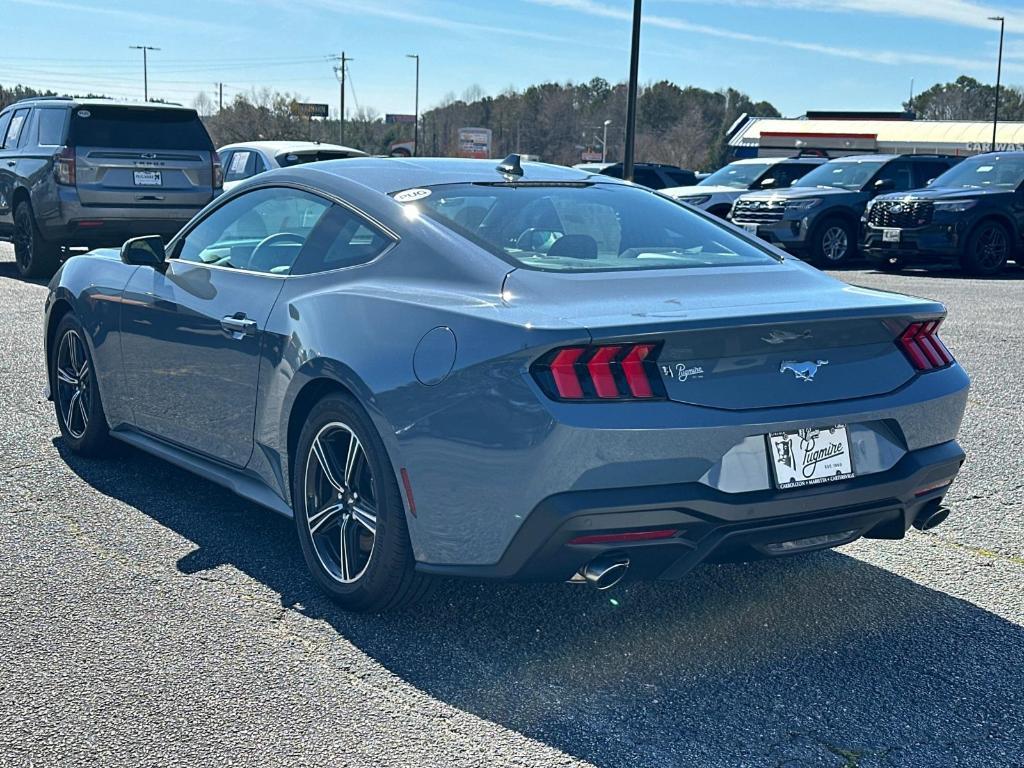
{"type": "Point", "coordinates": [972, 215]}
{"type": "Point", "coordinates": [818, 218]}
{"type": "Point", "coordinates": [655, 175]}
{"type": "Point", "coordinates": [96, 172]}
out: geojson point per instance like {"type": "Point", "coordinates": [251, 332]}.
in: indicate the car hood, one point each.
{"type": "Point", "coordinates": [944, 193]}
{"type": "Point", "coordinates": [698, 190]}
{"type": "Point", "coordinates": [800, 193]}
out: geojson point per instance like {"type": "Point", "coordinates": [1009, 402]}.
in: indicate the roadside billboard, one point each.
{"type": "Point", "coordinates": [475, 142]}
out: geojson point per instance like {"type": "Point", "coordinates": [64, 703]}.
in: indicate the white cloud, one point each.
{"type": "Point", "coordinates": [874, 56]}
{"type": "Point", "coordinates": [150, 20]}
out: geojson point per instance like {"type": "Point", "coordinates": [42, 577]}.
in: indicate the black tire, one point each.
{"type": "Point", "coordinates": [833, 243]}
{"type": "Point", "coordinates": [988, 248]}
{"type": "Point", "coordinates": [33, 256]}
{"type": "Point", "coordinates": [891, 264]}
{"type": "Point", "coordinates": [370, 572]}
{"type": "Point", "coordinates": [76, 397]}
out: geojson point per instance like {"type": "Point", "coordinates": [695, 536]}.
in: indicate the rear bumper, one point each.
{"type": "Point", "coordinates": [713, 526]}
{"type": "Point", "coordinates": [96, 226]}
{"type": "Point", "coordinates": [933, 243]}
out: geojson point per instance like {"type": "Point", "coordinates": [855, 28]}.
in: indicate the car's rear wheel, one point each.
{"type": "Point", "coordinates": [349, 511]}
{"type": "Point", "coordinates": [76, 397]}
{"type": "Point", "coordinates": [833, 243]}
{"type": "Point", "coordinates": [987, 249]}
{"type": "Point", "coordinates": [33, 256]}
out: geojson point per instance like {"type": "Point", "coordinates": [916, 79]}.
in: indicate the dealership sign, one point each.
{"type": "Point", "coordinates": [391, 119]}
{"type": "Point", "coordinates": [475, 142]}
{"type": "Point", "coordinates": [309, 110]}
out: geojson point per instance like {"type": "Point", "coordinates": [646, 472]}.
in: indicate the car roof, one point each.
{"type": "Point", "coordinates": [61, 101]}
{"type": "Point", "coordinates": [887, 158]}
{"type": "Point", "coordinates": [391, 174]}
{"type": "Point", "coordinates": [779, 160]}
{"type": "Point", "coordinates": [289, 146]}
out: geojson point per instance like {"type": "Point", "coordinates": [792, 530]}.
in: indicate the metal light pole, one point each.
{"type": "Point", "coordinates": [634, 67]}
{"type": "Point", "coordinates": [416, 125]}
{"type": "Point", "coordinates": [604, 142]}
{"type": "Point", "coordinates": [999, 74]}
{"type": "Point", "coordinates": [145, 67]}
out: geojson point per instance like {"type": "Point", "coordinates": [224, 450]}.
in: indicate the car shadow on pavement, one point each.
{"type": "Point", "coordinates": [819, 660]}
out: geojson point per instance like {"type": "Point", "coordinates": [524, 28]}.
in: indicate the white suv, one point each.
{"type": "Point", "coordinates": [719, 191]}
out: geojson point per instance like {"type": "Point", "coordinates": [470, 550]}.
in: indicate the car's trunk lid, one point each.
{"type": "Point", "coordinates": [741, 337]}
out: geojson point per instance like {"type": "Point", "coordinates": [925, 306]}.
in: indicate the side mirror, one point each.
{"type": "Point", "coordinates": [929, 182]}
{"type": "Point", "coordinates": [146, 251]}
{"type": "Point", "coordinates": [767, 183]}
{"type": "Point", "coordinates": [884, 185]}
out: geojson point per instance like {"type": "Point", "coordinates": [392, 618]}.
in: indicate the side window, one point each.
{"type": "Point", "coordinates": [925, 172]}
{"type": "Point", "coordinates": [14, 129]}
{"type": "Point", "coordinates": [51, 127]}
{"type": "Point", "coordinates": [5, 120]}
{"type": "Point", "coordinates": [259, 166]}
{"type": "Point", "coordinates": [261, 231]}
{"type": "Point", "coordinates": [901, 175]}
{"type": "Point", "coordinates": [786, 173]}
{"type": "Point", "coordinates": [240, 165]}
{"type": "Point", "coordinates": [342, 239]}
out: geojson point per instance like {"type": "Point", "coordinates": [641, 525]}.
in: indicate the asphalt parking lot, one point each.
{"type": "Point", "coordinates": [150, 618]}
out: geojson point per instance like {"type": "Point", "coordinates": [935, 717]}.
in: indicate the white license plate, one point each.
{"type": "Point", "coordinates": [890, 235]}
{"type": "Point", "coordinates": [810, 456]}
{"type": "Point", "coordinates": [148, 179]}
{"type": "Point", "coordinates": [751, 228]}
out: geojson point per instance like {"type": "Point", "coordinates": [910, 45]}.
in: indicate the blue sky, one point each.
{"type": "Point", "coordinates": [798, 54]}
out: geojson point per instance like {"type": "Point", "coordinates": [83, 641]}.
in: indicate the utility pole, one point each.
{"type": "Point", "coordinates": [220, 97]}
{"type": "Point", "coordinates": [604, 142]}
{"type": "Point", "coordinates": [416, 125]}
{"type": "Point", "coordinates": [339, 72]}
{"type": "Point", "coordinates": [999, 74]}
{"type": "Point", "coordinates": [145, 67]}
{"type": "Point", "coordinates": [634, 67]}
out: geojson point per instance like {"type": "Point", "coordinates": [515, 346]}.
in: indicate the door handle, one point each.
{"type": "Point", "coordinates": [237, 325]}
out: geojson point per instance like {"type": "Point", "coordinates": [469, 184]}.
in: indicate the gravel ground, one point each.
{"type": "Point", "coordinates": [150, 618]}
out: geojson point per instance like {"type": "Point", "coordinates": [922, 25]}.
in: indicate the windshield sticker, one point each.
{"type": "Point", "coordinates": [985, 168]}
{"type": "Point", "coordinates": [409, 195]}
{"type": "Point", "coordinates": [238, 161]}
{"type": "Point", "coordinates": [84, 113]}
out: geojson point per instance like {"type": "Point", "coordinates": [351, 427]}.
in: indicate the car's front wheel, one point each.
{"type": "Point", "coordinates": [349, 511]}
{"type": "Point", "coordinates": [76, 397]}
{"type": "Point", "coordinates": [987, 249]}
{"type": "Point", "coordinates": [833, 244]}
{"type": "Point", "coordinates": [33, 256]}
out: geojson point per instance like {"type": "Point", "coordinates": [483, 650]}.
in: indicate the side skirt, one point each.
{"type": "Point", "coordinates": [233, 479]}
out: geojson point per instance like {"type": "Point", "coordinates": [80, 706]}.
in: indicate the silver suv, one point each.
{"type": "Point", "coordinates": [94, 173]}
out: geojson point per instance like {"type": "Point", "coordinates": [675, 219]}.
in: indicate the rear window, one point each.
{"type": "Point", "coordinates": [286, 159]}
{"type": "Point", "coordinates": [584, 227]}
{"type": "Point", "coordinates": [138, 128]}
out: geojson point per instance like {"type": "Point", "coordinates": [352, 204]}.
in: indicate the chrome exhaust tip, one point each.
{"type": "Point", "coordinates": [930, 517]}
{"type": "Point", "coordinates": [604, 572]}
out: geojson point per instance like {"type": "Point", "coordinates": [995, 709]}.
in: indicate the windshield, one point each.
{"type": "Point", "coordinates": [584, 227]}
{"type": "Point", "coordinates": [737, 175]}
{"type": "Point", "coordinates": [983, 172]}
{"type": "Point", "coordinates": [841, 174]}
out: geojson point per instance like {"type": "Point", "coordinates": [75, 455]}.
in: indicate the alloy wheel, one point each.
{"type": "Point", "coordinates": [991, 248]}
{"type": "Point", "coordinates": [74, 384]}
{"type": "Point", "coordinates": [340, 502]}
{"type": "Point", "coordinates": [23, 239]}
{"type": "Point", "coordinates": [834, 243]}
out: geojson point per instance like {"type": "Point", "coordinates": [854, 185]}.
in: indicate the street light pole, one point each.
{"type": "Point", "coordinates": [145, 67]}
{"type": "Point", "coordinates": [604, 142]}
{"type": "Point", "coordinates": [999, 74]}
{"type": "Point", "coordinates": [416, 125]}
{"type": "Point", "coordinates": [634, 67]}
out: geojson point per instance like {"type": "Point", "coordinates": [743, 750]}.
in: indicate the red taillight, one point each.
{"type": "Point", "coordinates": [921, 344]}
{"type": "Point", "coordinates": [624, 537]}
{"type": "Point", "coordinates": [64, 167]}
{"type": "Point", "coordinates": [600, 372]}
{"type": "Point", "coordinates": [218, 172]}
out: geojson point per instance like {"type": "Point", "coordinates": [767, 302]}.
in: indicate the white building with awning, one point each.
{"type": "Point", "coordinates": [773, 137]}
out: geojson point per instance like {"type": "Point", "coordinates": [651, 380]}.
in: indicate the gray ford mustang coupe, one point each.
{"type": "Point", "coordinates": [518, 371]}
